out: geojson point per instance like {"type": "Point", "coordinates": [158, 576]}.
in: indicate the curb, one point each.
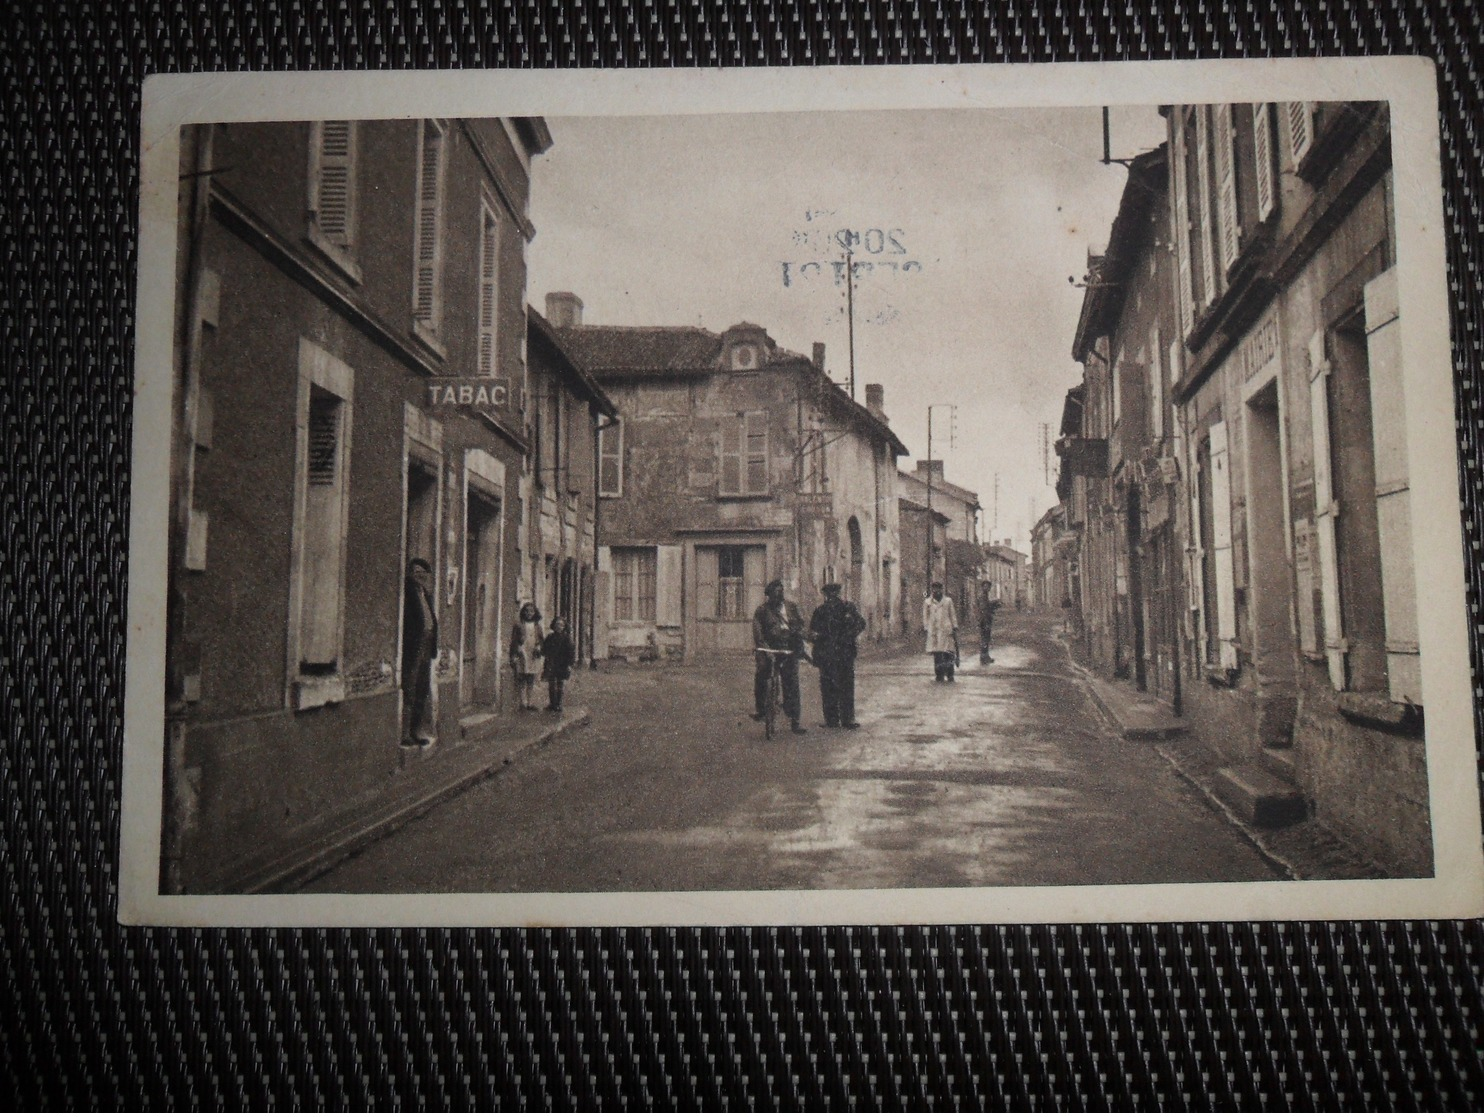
{"type": "Point", "coordinates": [382, 817]}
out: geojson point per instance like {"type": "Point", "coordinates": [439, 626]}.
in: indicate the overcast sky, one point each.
{"type": "Point", "coordinates": [689, 220]}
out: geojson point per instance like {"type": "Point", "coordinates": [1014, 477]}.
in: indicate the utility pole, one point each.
{"type": "Point", "coordinates": [850, 314]}
{"type": "Point", "coordinates": [952, 411]}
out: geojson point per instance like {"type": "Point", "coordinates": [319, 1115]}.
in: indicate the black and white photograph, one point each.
{"type": "Point", "coordinates": [760, 498]}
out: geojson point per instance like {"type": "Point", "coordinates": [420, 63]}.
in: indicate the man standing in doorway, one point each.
{"type": "Point", "coordinates": [833, 629]}
{"type": "Point", "coordinates": [940, 620]}
{"type": "Point", "coordinates": [777, 624]}
{"type": "Point", "coordinates": [419, 650]}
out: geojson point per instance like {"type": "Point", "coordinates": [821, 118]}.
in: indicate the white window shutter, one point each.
{"type": "Point", "coordinates": [610, 459]}
{"type": "Point", "coordinates": [1156, 385]}
{"type": "Point", "coordinates": [1180, 219]}
{"type": "Point", "coordinates": [755, 481]}
{"type": "Point", "coordinates": [1221, 546]}
{"type": "Point", "coordinates": [731, 465]}
{"type": "Point", "coordinates": [1300, 119]}
{"type": "Point", "coordinates": [1228, 222]}
{"type": "Point", "coordinates": [1204, 225]}
{"type": "Point", "coordinates": [1196, 582]}
{"type": "Point", "coordinates": [334, 186]}
{"type": "Point", "coordinates": [1326, 512]}
{"type": "Point", "coordinates": [667, 587]}
{"type": "Point", "coordinates": [426, 249]}
{"type": "Point", "coordinates": [489, 268]}
{"type": "Point", "coordinates": [754, 572]}
{"type": "Point", "coordinates": [706, 578]}
{"type": "Point", "coordinates": [1262, 140]}
{"type": "Point", "coordinates": [1393, 491]}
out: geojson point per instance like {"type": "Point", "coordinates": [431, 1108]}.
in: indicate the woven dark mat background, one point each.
{"type": "Point", "coordinates": [1264, 1016]}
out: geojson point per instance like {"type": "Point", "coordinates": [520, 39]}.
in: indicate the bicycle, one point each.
{"type": "Point", "coordinates": [773, 695]}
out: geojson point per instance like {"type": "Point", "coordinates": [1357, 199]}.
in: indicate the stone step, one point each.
{"type": "Point", "coordinates": [1258, 797]}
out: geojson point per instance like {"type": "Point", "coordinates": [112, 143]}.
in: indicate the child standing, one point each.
{"type": "Point", "coordinates": [525, 649]}
{"type": "Point", "coordinates": [557, 655]}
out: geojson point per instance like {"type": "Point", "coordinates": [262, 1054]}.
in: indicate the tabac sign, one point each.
{"type": "Point", "coordinates": [468, 391]}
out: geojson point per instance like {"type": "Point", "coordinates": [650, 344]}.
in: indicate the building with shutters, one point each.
{"type": "Point", "coordinates": [1292, 403]}
{"type": "Point", "coordinates": [350, 374]}
{"type": "Point", "coordinates": [557, 556]}
{"type": "Point", "coordinates": [961, 564]}
{"type": "Point", "coordinates": [1049, 558]}
{"type": "Point", "coordinates": [733, 462]}
{"type": "Point", "coordinates": [923, 533]}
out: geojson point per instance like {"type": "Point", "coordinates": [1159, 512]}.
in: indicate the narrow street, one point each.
{"type": "Point", "coordinates": [1006, 777]}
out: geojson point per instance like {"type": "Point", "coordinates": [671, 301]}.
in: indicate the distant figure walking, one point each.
{"type": "Point", "coordinates": [833, 630]}
{"type": "Point", "coordinates": [557, 656]}
{"type": "Point", "coordinates": [419, 650]}
{"type": "Point", "coordinates": [940, 620]}
{"type": "Point", "coordinates": [988, 606]}
{"type": "Point", "coordinates": [525, 649]}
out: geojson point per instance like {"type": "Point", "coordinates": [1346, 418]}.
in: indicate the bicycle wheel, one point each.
{"type": "Point", "coordinates": [770, 713]}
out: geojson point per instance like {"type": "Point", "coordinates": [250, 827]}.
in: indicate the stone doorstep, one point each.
{"type": "Point", "coordinates": [1258, 797]}
{"type": "Point", "coordinates": [1136, 718]}
{"type": "Point", "coordinates": [443, 773]}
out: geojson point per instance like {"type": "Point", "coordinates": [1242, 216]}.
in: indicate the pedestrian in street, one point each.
{"type": "Point", "coordinates": [777, 624]}
{"type": "Point", "coordinates": [419, 650]}
{"type": "Point", "coordinates": [558, 653]}
{"type": "Point", "coordinates": [525, 649]}
{"type": "Point", "coordinates": [940, 620]}
{"type": "Point", "coordinates": [833, 630]}
{"type": "Point", "coordinates": [988, 606]}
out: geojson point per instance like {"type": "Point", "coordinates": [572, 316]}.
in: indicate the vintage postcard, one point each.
{"type": "Point", "coordinates": [937, 494]}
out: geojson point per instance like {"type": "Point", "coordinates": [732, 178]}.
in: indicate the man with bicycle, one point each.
{"type": "Point", "coordinates": [778, 626]}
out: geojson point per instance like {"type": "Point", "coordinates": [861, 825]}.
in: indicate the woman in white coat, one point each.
{"type": "Point", "coordinates": [940, 619]}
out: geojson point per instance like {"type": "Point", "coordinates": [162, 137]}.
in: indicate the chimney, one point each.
{"type": "Point", "coordinates": [819, 355]}
{"type": "Point", "coordinates": [875, 398]}
{"type": "Point", "coordinates": [563, 309]}
{"type": "Point", "coordinates": [933, 466]}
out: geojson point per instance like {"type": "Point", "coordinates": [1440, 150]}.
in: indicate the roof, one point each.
{"type": "Point", "coordinates": [1103, 297]}
{"type": "Point", "coordinates": [947, 488]}
{"type": "Point", "coordinates": [657, 350]}
{"type": "Point", "coordinates": [911, 505]}
{"type": "Point", "coordinates": [585, 385]}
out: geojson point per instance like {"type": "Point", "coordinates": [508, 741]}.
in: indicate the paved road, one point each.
{"type": "Point", "coordinates": [1007, 776]}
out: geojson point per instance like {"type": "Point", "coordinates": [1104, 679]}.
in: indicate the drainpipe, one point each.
{"type": "Point", "coordinates": [182, 476]}
{"type": "Point", "coordinates": [603, 423]}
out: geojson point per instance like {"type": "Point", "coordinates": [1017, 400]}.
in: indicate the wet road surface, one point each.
{"type": "Point", "coordinates": [1005, 777]}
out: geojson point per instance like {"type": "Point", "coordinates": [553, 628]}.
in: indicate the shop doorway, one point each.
{"type": "Point", "coordinates": [480, 677]}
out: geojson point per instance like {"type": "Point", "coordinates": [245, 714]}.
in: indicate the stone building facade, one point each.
{"type": "Point", "coordinates": [350, 350]}
{"type": "Point", "coordinates": [733, 462]}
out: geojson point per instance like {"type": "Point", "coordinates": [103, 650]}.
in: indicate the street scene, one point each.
{"type": "Point", "coordinates": [842, 500]}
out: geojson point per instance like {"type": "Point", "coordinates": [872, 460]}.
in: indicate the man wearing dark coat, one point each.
{"type": "Point", "coordinates": [419, 650]}
{"type": "Point", "coordinates": [777, 624]}
{"type": "Point", "coordinates": [833, 628]}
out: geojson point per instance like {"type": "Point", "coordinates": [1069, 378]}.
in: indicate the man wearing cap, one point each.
{"type": "Point", "coordinates": [419, 650]}
{"type": "Point", "coordinates": [833, 629]}
{"type": "Point", "coordinates": [778, 624]}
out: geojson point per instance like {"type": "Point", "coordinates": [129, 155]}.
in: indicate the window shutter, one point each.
{"type": "Point", "coordinates": [707, 576]}
{"type": "Point", "coordinates": [1227, 218]}
{"type": "Point", "coordinates": [667, 590]}
{"type": "Point", "coordinates": [1221, 546]}
{"type": "Point", "coordinates": [1180, 216]}
{"type": "Point", "coordinates": [731, 455]}
{"type": "Point", "coordinates": [489, 247]}
{"type": "Point", "coordinates": [1196, 582]}
{"type": "Point", "coordinates": [1262, 140]}
{"type": "Point", "coordinates": [426, 248]}
{"type": "Point", "coordinates": [1300, 116]}
{"type": "Point", "coordinates": [334, 196]}
{"type": "Point", "coordinates": [1202, 216]}
{"type": "Point", "coordinates": [757, 452]}
{"type": "Point", "coordinates": [1393, 491]}
{"type": "Point", "coordinates": [610, 460]}
{"type": "Point", "coordinates": [324, 476]}
{"type": "Point", "coordinates": [1156, 385]}
{"type": "Point", "coordinates": [1326, 512]}
{"type": "Point", "coordinates": [754, 573]}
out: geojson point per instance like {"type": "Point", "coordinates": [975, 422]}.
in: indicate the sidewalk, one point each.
{"type": "Point", "coordinates": [1268, 812]}
{"type": "Point", "coordinates": [425, 779]}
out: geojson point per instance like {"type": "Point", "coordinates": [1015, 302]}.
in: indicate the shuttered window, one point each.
{"type": "Point", "coordinates": [1228, 221]}
{"type": "Point", "coordinates": [1180, 219]}
{"type": "Point", "coordinates": [1393, 488]}
{"type": "Point", "coordinates": [322, 504]}
{"type": "Point", "coordinates": [428, 231]}
{"type": "Point", "coordinates": [1221, 548]}
{"type": "Point", "coordinates": [1262, 151]}
{"type": "Point", "coordinates": [489, 275]}
{"type": "Point", "coordinates": [743, 466]}
{"type": "Point", "coordinates": [634, 571]}
{"type": "Point", "coordinates": [1298, 117]}
{"type": "Point", "coordinates": [1204, 211]}
{"type": "Point", "coordinates": [1156, 385]}
{"type": "Point", "coordinates": [332, 200]}
{"type": "Point", "coordinates": [610, 459]}
{"type": "Point", "coordinates": [1326, 511]}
